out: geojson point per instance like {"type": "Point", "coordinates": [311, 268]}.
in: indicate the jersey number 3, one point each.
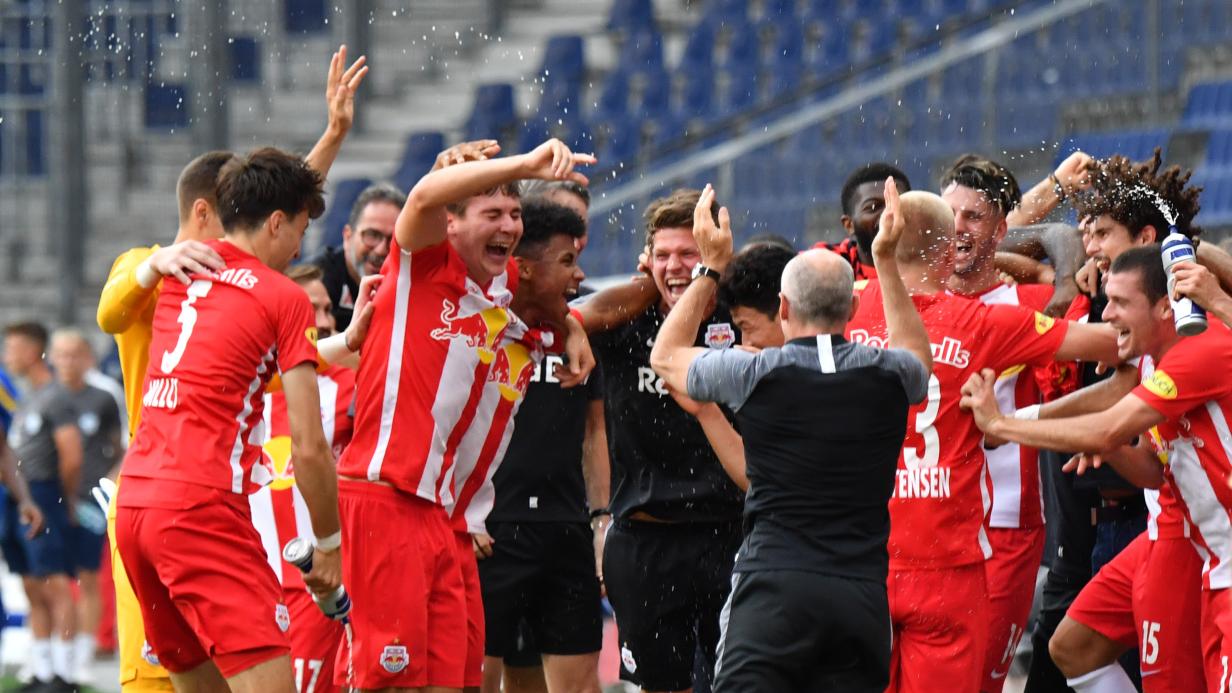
{"type": "Point", "coordinates": [926, 428]}
{"type": "Point", "coordinates": [188, 320]}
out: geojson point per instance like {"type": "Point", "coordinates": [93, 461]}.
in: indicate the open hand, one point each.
{"type": "Point", "coordinates": [180, 260]}
{"type": "Point", "coordinates": [477, 150]}
{"type": "Point", "coordinates": [714, 242]}
{"type": "Point", "coordinates": [891, 225]}
{"type": "Point", "coordinates": [340, 88]}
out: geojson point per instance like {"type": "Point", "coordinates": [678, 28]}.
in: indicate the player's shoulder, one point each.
{"type": "Point", "coordinates": [1035, 296]}
{"type": "Point", "coordinates": [134, 256]}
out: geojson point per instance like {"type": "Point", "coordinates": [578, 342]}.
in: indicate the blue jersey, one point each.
{"type": "Point", "coordinates": [8, 401]}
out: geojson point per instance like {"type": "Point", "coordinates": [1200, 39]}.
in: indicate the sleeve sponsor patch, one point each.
{"type": "Point", "coordinates": [1161, 385]}
{"type": "Point", "coordinates": [311, 334]}
{"type": "Point", "coordinates": [1043, 323]}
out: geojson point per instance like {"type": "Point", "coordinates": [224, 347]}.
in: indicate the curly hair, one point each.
{"type": "Point", "coordinates": [1127, 191]}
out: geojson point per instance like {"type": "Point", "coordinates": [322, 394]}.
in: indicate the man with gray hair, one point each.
{"type": "Point", "coordinates": [365, 243]}
{"type": "Point", "coordinates": [809, 608]}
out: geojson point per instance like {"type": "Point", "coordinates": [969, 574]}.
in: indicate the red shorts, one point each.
{"type": "Point", "coordinates": [1010, 575]}
{"type": "Point", "coordinates": [1217, 638]}
{"type": "Point", "coordinates": [1149, 597]}
{"type": "Point", "coordinates": [474, 609]}
{"type": "Point", "coordinates": [204, 586]}
{"type": "Point", "coordinates": [940, 629]}
{"type": "Point", "coordinates": [408, 607]}
{"type": "Point", "coordinates": [314, 643]}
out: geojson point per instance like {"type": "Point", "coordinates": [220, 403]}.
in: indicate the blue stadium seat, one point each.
{"type": "Point", "coordinates": [338, 211]}
{"type": "Point", "coordinates": [787, 44]}
{"type": "Point", "coordinates": [166, 106]}
{"type": "Point", "coordinates": [418, 157]}
{"type": "Point", "coordinates": [1219, 151]}
{"type": "Point", "coordinates": [737, 89]}
{"type": "Point", "coordinates": [654, 94]}
{"type": "Point", "coordinates": [561, 99]}
{"type": "Point", "coordinates": [642, 52]}
{"type": "Point", "coordinates": [699, 48]}
{"type": "Point", "coordinates": [532, 133]}
{"type": "Point", "coordinates": [631, 15]}
{"type": "Point", "coordinates": [1135, 144]}
{"type": "Point", "coordinates": [741, 46]}
{"type": "Point", "coordinates": [564, 57]}
{"type": "Point", "coordinates": [618, 142]}
{"type": "Point", "coordinates": [613, 98]}
{"type": "Point", "coordinates": [305, 16]}
{"type": "Point", "coordinates": [1209, 104]}
{"type": "Point", "coordinates": [696, 94]}
{"type": "Point", "coordinates": [36, 143]}
{"type": "Point", "coordinates": [493, 112]}
{"type": "Point", "coordinates": [245, 60]}
{"type": "Point", "coordinates": [726, 12]}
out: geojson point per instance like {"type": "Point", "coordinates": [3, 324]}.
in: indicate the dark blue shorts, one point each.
{"type": "Point", "coordinates": [11, 531]}
{"type": "Point", "coordinates": [87, 547]}
{"type": "Point", "coordinates": [51, 551]}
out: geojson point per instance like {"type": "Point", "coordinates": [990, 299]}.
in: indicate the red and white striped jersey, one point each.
{"type": "Point", "coordinates": [434, 338]}
{"type": "Point", "coordinates": [216, 344]}
{"type": "Point", "coordinates": [1191, 388]}
{"type": "Point", "coordinates": [278, 511]}
{"type": "Point", "coordinates": [1017, 501]}
{"type": "Point", "coordinates": [483, 447]}
{"type": "Point", "coordinates": [1165, 516]}
{"type": "Point", "coordinates": [941, 494]}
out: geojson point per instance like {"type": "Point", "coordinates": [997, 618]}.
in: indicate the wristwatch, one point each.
{"type": "Point", "coordinates": [700, 270]}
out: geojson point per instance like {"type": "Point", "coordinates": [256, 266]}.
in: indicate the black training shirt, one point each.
{"type": "Point", "coordinates": [662, 463]}
{"type": "Point", "coordinates": [541, 478]}
{"type": "Point", "coordinates": [342, 289]}
{"type": "Point", "coordinates": [823, 422]}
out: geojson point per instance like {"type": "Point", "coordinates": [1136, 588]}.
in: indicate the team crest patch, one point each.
{"type": "Point", "coordinates": [394, 658]}
{"type": "Point", "coordinates": [626, 658]}
{"type": "Point", "coordinates": [1161, 385]}
{"type": "Point", "coordinates": [311, 334]}
{"type": "Point", "coordinates": [720, 336]}
{"type": "Point", "coordinates": [282, 617]}
{"type": "Point", "coordinates": [147, 653]}
{"type": "Point", "coordinates": [1043, 323]}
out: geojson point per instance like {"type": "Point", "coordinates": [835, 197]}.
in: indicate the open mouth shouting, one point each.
{"type": "Point", "coordinates": [676, 287]}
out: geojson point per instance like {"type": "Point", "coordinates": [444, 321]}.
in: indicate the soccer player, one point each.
{"type": "Point", "coordinates": [675, 528]}
{"type": "Point", "coordinates": [937, 585]}
{"type": "Point", "coordinates": [982, 193]}
{"type": "Point", "coordinates": [48, 446]}
{"type": "Point", "coordinates": [98, 420]}
{"type": "Point", "coordinates": [1178, 413]}
{"type": "Point", "coordinates": [183, 525]}
{"type": "Point", "coordinates": [569, 632]}
{"type": "Point", "coordinates": [1112, 613]}
{"type": "Point", "coordinates": [126, 308]}
{"type": "Point", "coordinates": [808, 608]}
{"type": "Point", "coordinates": [437, 334]}
{"type": "Point", "coordinates": [279, 511]}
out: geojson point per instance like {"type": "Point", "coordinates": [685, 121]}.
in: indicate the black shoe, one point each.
{"type": "Point", "coordinates": [59, 685]}
{"type": "Point", "coordinates": [32, 686]}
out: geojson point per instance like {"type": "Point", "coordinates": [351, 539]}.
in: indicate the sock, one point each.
{"type": "Point", "coordinates": [62, 658]}
{"type": "Point", "coordinates": [1107, 679]}
{"type": "Point", "coordinates": [83, 652]}
{"type": "Point", "coordinates": [40, 659]}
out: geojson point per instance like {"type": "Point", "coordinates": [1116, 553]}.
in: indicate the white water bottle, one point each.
{"type": "Point", "coordinates": [1189, 317]}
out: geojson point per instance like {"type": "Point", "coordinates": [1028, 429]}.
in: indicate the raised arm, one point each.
{"type": "Point", "coordinates": [673, 349]}
{"type": "Point", "coordinates": [422, 221]}
{"type": "Point", "coordinates": [904, 327]}
{"type": "Point", "coordinates": [1199, 284]}
{"type": "Point", "coordinates": [340, 87]}
{"type": "Point", "coordinates": [315, 475]}
{"type": "Point", "coordinates": [1038, 202]}
{"type": "Point", "coordinates": [617, 305]}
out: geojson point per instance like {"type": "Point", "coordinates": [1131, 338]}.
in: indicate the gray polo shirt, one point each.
{"type": "Point", "coordinates": [98, 419]}
{"type": "Point", "coordinates": [38, 416]}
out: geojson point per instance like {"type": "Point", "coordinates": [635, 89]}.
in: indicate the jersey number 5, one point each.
{"type": "Point", "coordinates": [926, 428]}
{"type": "Point", "coordinates": [188, 320]}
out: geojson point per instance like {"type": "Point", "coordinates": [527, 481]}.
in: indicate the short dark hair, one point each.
{"type": "Point", "coordinates": [304, 273]}
{"type": "Point", "coordinates": [543, 220]}
{"type": "Point", "coordinates": [377, 192]}
{"type": "Point", "coordinates": [675, 211]}
{"type": "Point", "coordinates": [1145, 260]}
{"type": "Point", "coordinates": [512, 189]}
{"type": "Point", "coordinates": [199, 181]}
{"type": "Point", "coordinates": [1125, 190]}
{"type": "Point", "coordinates": [253, 187]}
{"type": "Point", "coordinates": [31, 330]}
{"type": "Point", "coordinates": [875, 172]}
{"type": "Point", "coordinates": [987, 176]}
{"type": "Point", "coordinates": [544, 188]}
{"type": "Point", "coordinates": [768, 239]}
{"type": "Point", "coordinates": [754, 278]}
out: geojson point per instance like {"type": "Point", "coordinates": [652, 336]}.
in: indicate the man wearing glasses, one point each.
{"type": "Point", "coordinates": [365, 243]}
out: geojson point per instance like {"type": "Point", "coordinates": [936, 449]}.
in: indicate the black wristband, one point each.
{"type": "Point", "coordinates": [600, 512]}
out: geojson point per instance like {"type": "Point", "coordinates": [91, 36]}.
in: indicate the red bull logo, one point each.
{"type": "Point", "coordinates": [277, 458]}
{"type": "Point", "coordinates": [512, 371]}
{"type": "Point", "coordinates": [481, 330]}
